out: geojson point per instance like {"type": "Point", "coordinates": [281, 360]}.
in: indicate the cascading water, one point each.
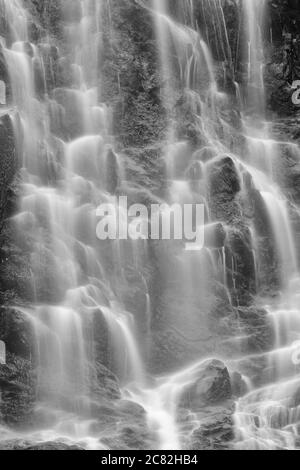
{"type": "Point", "coordinates": [61, 218]}
{"type": "Point", "coordinates": [68, 167]}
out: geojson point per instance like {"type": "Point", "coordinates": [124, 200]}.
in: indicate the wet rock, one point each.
{"type": "Point", "coordinates": [72, 11]}
{"type": "Point", "coordinates": [169, 348]}
{"type": "Point", "coordinates": [268, 270]}
{"type": "Point", "coordinates": [215, 235]}
{"type": "Point", "coordinates": [132, 431]}
{"type": "Point", "coordinates": [146, 168]}
{"type": "Point", "coordinates": [103, 383]}
{"type": "Point", "coordinates": [279, 416]}
{"type": "Point", "coordinates": [8, 161]}
{"type": "Point", "coordinates": [238, 385]}
{"type": "Point", "coordinates": [212, 386]}
{"type": "Point", "coordinates": [112, 172]}
{"type": "Point", "coordinates": [15, 273]}
{"type": "Point", "coordinates": [224, 185]}
{"type": "Point", "coordinates": [50, 282]}
{"type": "Point", "coordinates": [134, 294]}
{"type": "Point", "coordinates": [64, 73]}
{"type": "Point", "coordinates": [216, 431]}
{"type": "Point", "coordinates": [195, 171]}
{"type": "Point", "coordinates": [259, 330]}
{"type": "Point", "coordinates": [17, 388]}
{"type": "Point", "coordinates": [18, 444]}
{"type": "Point", "coordinates": [4, 75]}
{"type": "Point", "coordinates": [53, 446]}
{"type": "Point", "coordinates": [72, 117]}
{"type": "Point", "coordinates": [16, 331]}
{"type": "Point", "coordinates": [98, 330]}
{"type": "Point", "coordinates": [39, 78]}
{"type": "Point", "coordinates": [205, 154]}
{"type": "Point", "coordinates": [241, 265]}
{"type": "Point", "coordinates": [46, 18]}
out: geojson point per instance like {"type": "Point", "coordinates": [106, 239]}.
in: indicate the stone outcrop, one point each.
{"type": "Point", "coordinates": [210, 397]}
{"type": "Point", "coordinates": [212, 386]}
{"type": "Point", "coordinates": [17, 389]}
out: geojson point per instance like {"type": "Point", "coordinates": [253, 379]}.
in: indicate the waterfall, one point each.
{"type": "Point", "coordinates": [176, 334]}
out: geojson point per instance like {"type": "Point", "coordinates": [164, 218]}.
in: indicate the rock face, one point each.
{"type": "Point", "coordinates": [27, 445]}
{"type": "Point", "coordinates": [131, 85]}
{"type": "Point", "coordinates": [216, 431]}
{"type": "Point", "coordinates": [8, 162]}
{"type": "Point", "coordinates": [210, 397]}
{"type": "Point", "coordinates": [16, 377]}
{"type": "Point", "coordinates": [17, 391]}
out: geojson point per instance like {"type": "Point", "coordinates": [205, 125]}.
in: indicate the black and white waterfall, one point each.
{"type": "Point", "coordinates": [128, 328]}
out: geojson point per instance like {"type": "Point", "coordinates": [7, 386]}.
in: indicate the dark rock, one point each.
{"type": "Point", "coordinates": [39, 78]}
{"type": "Point", "coordinates": [15, 273]}
{"type": "Point", "coordinates": [242, 280]}
{"type": "Point", "coordinates": [134, 295]}
{"type": "Point", "coordinates": [132, 430]}
{"type": "Point", "coordinates": [215, 235]}
{"type": "Point", "coordinates": [112, 172]}
{"type": "Point", "coordinates": [238, 385]}
{"type": "Point", "coordinates": [224, 177]}
{"type": "Point", "coordinates": [4, 75]}
{"type": "Point", "coordinates": [224, 185]}
{"type": "Point", "coordinates": [205, 154]}
{"type": "Point", "coordinates": [99, 332]}
{"type": "Point", "coordinates": [216, 431]}
{"type": "Point", "coordinates": [103, 383]}
{"type": "Point", "coordinates": [18, 444]}
{"type": "Point", "coordinates": [260, 334]}
{"type": "Point", "coordinates": [8, 161]}
{"type": "Point", "coordinates": [195, 171]}
{"type": "Point", "coordinates": [53, 446]}
{"type": "Point", "coordinates": [17, 332]}
{"type": "Point", "coordinates": [212, 386]}
{"type": "Point", "coordinates": [71, 119]}
{"type": "Point", "coordinates": [17, 387]}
